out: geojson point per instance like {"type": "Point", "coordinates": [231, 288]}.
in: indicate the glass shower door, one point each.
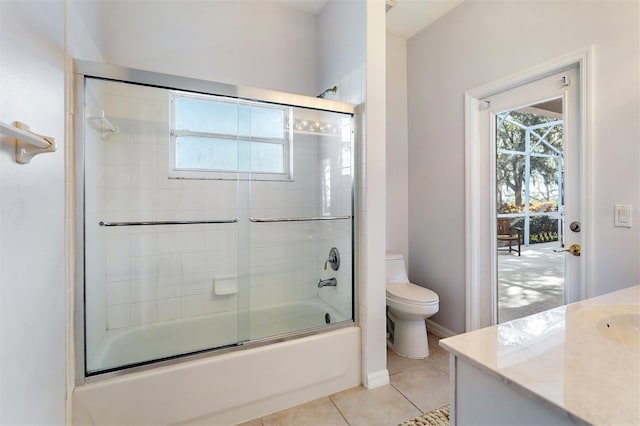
{"type": "Point", "coordinates": [209, 222]}
{"type": "Point", "coordinates": [301, 228]}
{"type": "Point", "coordinates": [161, 251]}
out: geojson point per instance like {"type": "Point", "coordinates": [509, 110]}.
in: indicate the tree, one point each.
{"type": "Point", "coordinates": [510, 168]}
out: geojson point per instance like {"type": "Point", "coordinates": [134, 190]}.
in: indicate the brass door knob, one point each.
{"type": "Point", "coordinates": [574, 249]}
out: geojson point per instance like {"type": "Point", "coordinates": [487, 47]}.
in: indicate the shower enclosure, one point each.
{"type": "Point", "coordinates": [210, 217]}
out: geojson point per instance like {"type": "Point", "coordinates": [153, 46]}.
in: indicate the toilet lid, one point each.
{"type": "Point", "coordinates": [411, 293]}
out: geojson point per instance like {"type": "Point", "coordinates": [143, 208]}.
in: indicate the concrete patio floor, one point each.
{"type": "Point", "coordinates": [530, 283]}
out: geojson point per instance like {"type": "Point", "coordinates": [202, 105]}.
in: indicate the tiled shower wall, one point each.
{"type": "Point", "coordinates": [145, 274]}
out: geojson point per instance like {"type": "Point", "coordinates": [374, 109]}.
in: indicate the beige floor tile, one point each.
{"type": "Point", "coordinates": [426, 388]}
{"type": "Point", "coordinates": [320, 412]}
{"type": "Point", "coordinates": [435, 350]}
{"type": "Point", "coordinates": [383, 406]}
{"type": "Point", "coordinates": [397, 363]}
{"type": "Point", "coordinates": [440, 363]}
{"type": "Point", "coordinates": [438, 356]}
{"type": "Point", "coordinates": [254, 422]}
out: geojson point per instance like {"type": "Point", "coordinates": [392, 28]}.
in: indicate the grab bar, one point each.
{"type": "Point", "coordinates": [296, 219]}
{"type": "Point", "coordinates": [168, 222]}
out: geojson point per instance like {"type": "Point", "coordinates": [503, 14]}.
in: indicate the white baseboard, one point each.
{"type": "Point", "coordinates": [376, 379]}
{"type": "Point", "coordinates": [441, 331]}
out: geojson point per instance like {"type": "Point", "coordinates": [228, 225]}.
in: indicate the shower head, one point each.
{"type": "Point", "coordinates": [333, 89]}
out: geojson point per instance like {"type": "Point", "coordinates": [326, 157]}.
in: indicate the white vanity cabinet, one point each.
{"type": "Point", "coordinates": [575, 364]}
{"type": "Point", "coordinates": [481, 398]}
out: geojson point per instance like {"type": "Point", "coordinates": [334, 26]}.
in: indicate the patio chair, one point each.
{"type": "Point", "coordinates": [506, 235]}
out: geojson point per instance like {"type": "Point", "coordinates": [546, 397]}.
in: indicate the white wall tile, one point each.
{"type": "Point", "coordinates": [192, 241]}
{"type": "Point", "coordinates": [197, 283]}
{"type": "Point", "coordinates": [195, 262]}
{"type": "Point", "coordinates": [144, 289]}
{"type": "Point", "coordinates": [117, 293]}
{"type": "Point", "coordinates": [143, 244]}
{"type": "Point", "coordinates": [169, 265]}
{"type": "Point", "coordinates": [117, 266]}
{"type": "Point", "coordinates": [168, 199]}
{"type": "Point", "coordinates": [169, 286]}
{"type": "Point", "coordinates": [142, 312]}
{"type": "Point", "coordinates": [169, 309]}
{"type": "Point", "coordinates": [191, 199]}
{"type": "Point", "coordinates": [143, 267]}
{"type": "Point", "coordinates": [194, 305]}
{"type": "Point", "coordinates": [117, 316]}
{"type": "Point", "coordinates": [114, 200]}
{"type": "Point", "coordinates": [168, 242]}
{"type": "Point", "coordinates": [217, 238]}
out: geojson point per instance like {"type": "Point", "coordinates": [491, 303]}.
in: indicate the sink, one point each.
{"type": "Point", "coordinates": [621, 328]}
{"type": "Point", "coordinates": [617, 323]}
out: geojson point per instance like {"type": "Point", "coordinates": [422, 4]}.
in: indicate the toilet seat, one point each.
{"type": "Point", "coordinates": [410, 293]}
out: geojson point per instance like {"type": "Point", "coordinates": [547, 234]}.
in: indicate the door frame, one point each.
{"type": "Point", "coordinates": [479, 258]}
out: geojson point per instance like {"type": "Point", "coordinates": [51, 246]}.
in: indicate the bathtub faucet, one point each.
{"type": "Point", "coordinates": [331, 282]}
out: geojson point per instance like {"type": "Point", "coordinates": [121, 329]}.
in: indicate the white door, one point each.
{"type": "Point", "coordinates": [532, 136]}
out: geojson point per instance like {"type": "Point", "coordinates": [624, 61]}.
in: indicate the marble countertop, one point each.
{"type": "Point", "coordinates": [572, 357]}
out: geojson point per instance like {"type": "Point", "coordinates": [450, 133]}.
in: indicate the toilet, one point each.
{"type": "Point", "coordinates": [408, 305]}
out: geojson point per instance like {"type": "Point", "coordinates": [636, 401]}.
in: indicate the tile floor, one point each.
{"type": "Point", "coordinates": [417, 386]}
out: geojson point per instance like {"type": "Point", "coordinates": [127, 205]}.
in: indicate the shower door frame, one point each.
{"type": "Point", "coordinates": [87, 69]}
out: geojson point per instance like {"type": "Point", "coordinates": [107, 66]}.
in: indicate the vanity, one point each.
{"type": "Point", "coordinates": [575, 364]}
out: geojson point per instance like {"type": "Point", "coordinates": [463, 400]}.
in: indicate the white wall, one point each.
{"type": "Point", "coordinates": [372, 258]}
{"type": "Point", "coordinates": [341, 40]}
{"type": "Point", "coordinates": [397, 170]}
{"type": "Point", "coordinates": [249, 43]}
{"type": "Point", "coordinates": [480, 42]}
{"type": "Point", "coordinates": [341, 32]}
{"type": "Point", "coordinates": [32, 250]}
{"type": "Point", "coordinates": [346, 40]}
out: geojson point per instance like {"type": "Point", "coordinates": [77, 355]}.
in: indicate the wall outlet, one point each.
{"type": "Point", "coordinates": [622, 215]}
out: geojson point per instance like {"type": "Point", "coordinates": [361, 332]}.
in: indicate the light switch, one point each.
{"type": "Point", "coordinates": [622, 215]}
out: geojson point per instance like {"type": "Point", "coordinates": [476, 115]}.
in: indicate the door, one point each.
{"type": "Point", "coordinates": [533, 131]}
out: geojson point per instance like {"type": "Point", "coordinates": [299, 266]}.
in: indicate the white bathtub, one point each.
{"type": "Point", "coordinates": [227, 388]}
{"type": "Point", "coordinates": [161, 340]}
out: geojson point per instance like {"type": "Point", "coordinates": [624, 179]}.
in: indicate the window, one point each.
{"type": "Point", "coordinates": [214, 137]}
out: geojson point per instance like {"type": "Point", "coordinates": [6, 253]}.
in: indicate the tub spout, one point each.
{"type": "Point", "coordinates": [331, 282]}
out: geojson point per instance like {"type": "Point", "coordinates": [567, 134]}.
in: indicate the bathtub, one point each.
{"type": "Point", "coordinates": [162, 340]}
{"type": "Point", "coordinates": [228, 388]}
{"type": "Point", "coordinates": [224, 388]}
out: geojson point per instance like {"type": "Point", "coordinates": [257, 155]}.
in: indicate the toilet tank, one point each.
{"type": "Point", "coordinates": [396, 270]}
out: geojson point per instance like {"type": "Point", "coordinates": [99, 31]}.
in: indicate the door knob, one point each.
{"type": "Point", "coordinates": [574, 249]}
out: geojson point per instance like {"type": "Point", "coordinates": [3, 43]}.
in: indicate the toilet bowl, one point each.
{"type": "Point", "coordinates": [408, 305]}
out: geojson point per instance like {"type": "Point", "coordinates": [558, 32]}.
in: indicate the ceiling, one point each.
{"type": "Point", "coordinates": [405, 19]}
{"type": "Point", "coordinates": [312, 7]}
{"type": "Point", "coordinates": [409, 17]}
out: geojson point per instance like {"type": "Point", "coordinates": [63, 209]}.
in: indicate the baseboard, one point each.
{"type": "Point", "coordinates": [441, 331]}
{"type": "Point", "coordinates": [376, 379]}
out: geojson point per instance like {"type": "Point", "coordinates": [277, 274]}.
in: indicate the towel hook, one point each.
{"type": "Point", "coordinates": [28, 143]}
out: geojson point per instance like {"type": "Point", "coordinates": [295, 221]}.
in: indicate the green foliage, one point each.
{"type": "Point", "coordinates": [534, 207]}
{"type": "Point", "coordinates": [542, 229]}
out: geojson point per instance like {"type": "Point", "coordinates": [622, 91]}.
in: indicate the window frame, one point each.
{"type": "Point", "coordinates": [220, 174]}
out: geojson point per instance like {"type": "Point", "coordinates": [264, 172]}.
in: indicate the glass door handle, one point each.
{"type": "Point", "coordinates": [574, 249]}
